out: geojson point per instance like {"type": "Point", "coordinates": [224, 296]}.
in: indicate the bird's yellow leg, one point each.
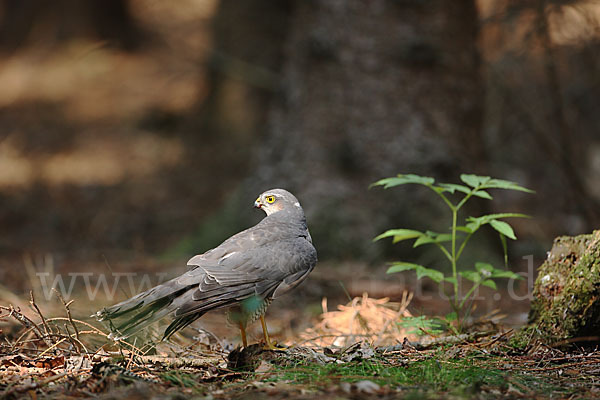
{"type": "Point", "coordinates": [268, 344]}
{"type": "Point", "coordinates": [243, 332]}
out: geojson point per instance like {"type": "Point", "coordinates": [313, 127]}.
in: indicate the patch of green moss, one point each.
{"type": "Point", "coordinates": [566, 302]}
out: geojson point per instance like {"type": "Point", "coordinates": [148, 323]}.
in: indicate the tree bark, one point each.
{"type": "Point", "coordinates": [371, 89]}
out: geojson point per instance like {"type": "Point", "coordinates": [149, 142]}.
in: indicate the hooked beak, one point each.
{"type": "Point", "coordinates": [257, 203]}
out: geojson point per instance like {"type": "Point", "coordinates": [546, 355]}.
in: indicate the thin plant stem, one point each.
{"type": "Point", "coordinates": [462, 246]}
{"type": "Point", "coordinates": [455, 255]}
{"type": "Point", "coordinates": [445, 251]}
{"type": "Point", "coordinates": [469, 293]}
{"type": "Point", "coordinates": [451, 257]}
{"type": "Point", "coordinates": [467, 197]}
{"type": "Point", "coordinates": [453, 260]}
{"type": "Point", "coordinates": [448, 202]}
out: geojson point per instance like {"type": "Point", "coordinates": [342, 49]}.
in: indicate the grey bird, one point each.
{"type": "Point", "coordinates": [243, 274]}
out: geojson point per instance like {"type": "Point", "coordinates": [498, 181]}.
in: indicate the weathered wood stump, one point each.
{"type": "Point", "coordinates": [566, 295]}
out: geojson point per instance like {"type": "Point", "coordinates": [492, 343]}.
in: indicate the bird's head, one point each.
{"type": "Point", "coordinates": [275, 200]}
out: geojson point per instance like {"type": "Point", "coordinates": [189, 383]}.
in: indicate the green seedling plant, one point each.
{"type": "Point", "coordinates": [422, 325]}
{"type": "Point", "coordinates": [453, 243]}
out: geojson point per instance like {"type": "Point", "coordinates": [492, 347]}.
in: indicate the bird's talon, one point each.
{"type": "Point", "coordinates": [274, 347]}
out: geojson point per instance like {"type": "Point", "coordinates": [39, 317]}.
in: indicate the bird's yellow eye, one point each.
{"type": "Point", "coordinates": [270, 199]}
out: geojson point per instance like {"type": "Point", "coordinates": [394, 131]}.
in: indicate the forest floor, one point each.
{"type": "Point", "coordinates": [360, 349]}
{"type": "Point", "coordinates": [485, 368]}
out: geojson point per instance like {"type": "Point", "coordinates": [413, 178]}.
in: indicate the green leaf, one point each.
{"type": "Point", "coordinates": [438, 189]}
{"type": "Point", "coordinates": [473, 226]}
{"type": "Point", "coordinates": [500, 273]}
{"type": "Point", "coordinates": [474, 223]}
{"type": "Point", "coordinates": [484, 269]}
{"type": "Point", "coordinates": [399, 234]}
{"type": "Point", "coordinates": [421, 271]}
{"type": "Point", "coordinates": [483, 194]}
{"type": "Point", "coordinates": [451, 187]}
{"type": "Point", "coordinates": [404, 179]}
{"type": "Point", "coordinates": [465, 229]}
{"type": "Point", "coordinates": [450, 279]}
{"type": "Point", "coordinates": [503, 228]}
{"type": "Point", "coordinates": [489, 283]}
{"type": "Point", "coordinates": [504, 215]}
{"type": "Point", "coordinates": [432, 237]}
{"type": "Point", "coordinates": [485, 182]}
{"type": "Point", "coordinates": [451, 316]}
{"type": "Point", "coordinates": [432, 274]}
{"type": "Point", "coordinates": [402, 266]}
{"type": "Point", "coordinates": [385, 182]}
{"type": "Point", "coordinates": [472, 276]}
{"type": "Point", "coordinates": [502, 184]}
{"type": "Point", "coordinates": [422, 180]}
{"type": "Point", "coordinates": [421, 325]}
{"type": "Point", "coordinates": [474, 180]}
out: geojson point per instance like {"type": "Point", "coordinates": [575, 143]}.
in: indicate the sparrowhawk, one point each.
{"type": "Point", "coordinates": [244, 274]}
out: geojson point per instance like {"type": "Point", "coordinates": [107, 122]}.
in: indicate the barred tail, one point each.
{"type": "Point", "coordinates": [140, 311]}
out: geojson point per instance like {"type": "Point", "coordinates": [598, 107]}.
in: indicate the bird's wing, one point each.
{"type": "Point", "coordinates": [259, 271]}
{"type": "Point", "coordinates": [257, 235]}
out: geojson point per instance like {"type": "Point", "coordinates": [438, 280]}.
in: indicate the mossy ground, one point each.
{"type": "Point", "coordinates": [566, 303]}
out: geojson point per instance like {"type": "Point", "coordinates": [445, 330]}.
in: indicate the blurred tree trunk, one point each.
{"type": "Point", "coordinates": [243, 71]}
{"type": "Point", "coordinates": [225, 128]}
{"type": "Point", "coordinates": [370, 89]}
{"type": "Point", "coordinates": [563, 154]}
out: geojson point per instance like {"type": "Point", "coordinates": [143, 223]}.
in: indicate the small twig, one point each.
{"type": "Point", "coordinates": [57, 335]}
{"type": "Point", "coordinates": [131, 356]}
{"type": "Point", "coordinates": [132, 347]}
{"type": "Point", "coordinates": [95, 330]}
{"type": "Point", "coordinates": [496, 339]}
{"type": "Point", "coordinates": [69, 336]}
{"type": "Point", "coordinates": [449, 340]}
{"type": "Point", "coordinates": [12, 346]}
{"type": "Point", "coordinates": [16, 314]}
{"type": "Point", "coordinates": [68, 311]}
{"type": "Point", "coordinates": [563, 366]}
{"type": "Point", "coordinates": [27, 323]}
{"type": "Point", "coordinates": [82, 346]}
{"type": "Point", "coordinates": [53, 346]}
{"type": "Point", "coordinates": [577, 339]}
{"type": "Point", "coordinates": [39, 313]}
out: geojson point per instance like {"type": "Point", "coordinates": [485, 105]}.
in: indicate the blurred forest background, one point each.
{"type": "Point", "coordinates": [141, 131]}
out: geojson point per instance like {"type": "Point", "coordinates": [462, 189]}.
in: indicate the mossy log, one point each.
{"type": "Point", "coordinates": [566, 295]}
